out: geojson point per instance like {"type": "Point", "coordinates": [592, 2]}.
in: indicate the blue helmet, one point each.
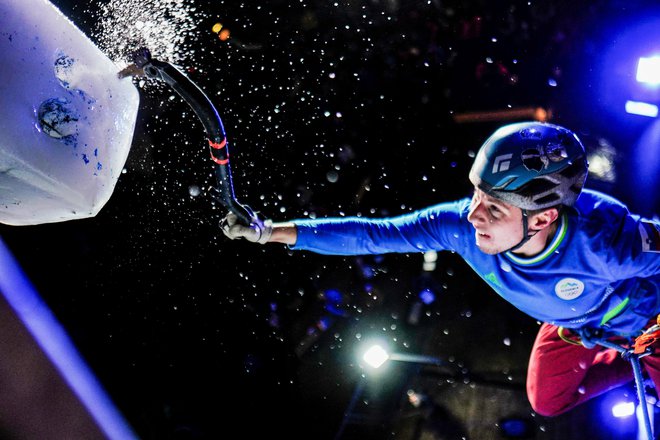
{"type": "Point", "coordinates": [531, 165]}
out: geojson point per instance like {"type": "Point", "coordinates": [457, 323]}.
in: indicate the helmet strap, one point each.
{"type": "Point", "coordinates": [526, 235]}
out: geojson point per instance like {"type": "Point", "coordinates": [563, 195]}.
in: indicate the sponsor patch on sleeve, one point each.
{"type": "Point", "coordinates": [650, 233]}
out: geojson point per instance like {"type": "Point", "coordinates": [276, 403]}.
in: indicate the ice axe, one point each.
{"type": "Point", "coordinates": [144, 64]}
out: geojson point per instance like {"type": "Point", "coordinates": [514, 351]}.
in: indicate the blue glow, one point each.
{"type": "Point", "coordinates": [427, 296]}
{"type": "Point", "coordinates": [515, 428]}
{"type": "Point", "coordinates": [56, 345]}
{"type": "Point", "coordinates": [623, 409]}
{"type": "Point", "coordinates": [642, 108]}
{"type": "Point", "coordinates": [334, 301]}
{"type": "Point", "coordinates": [368, 271]}
{"type": "Point", "coordinates": [324, 323]}
{"type": "Point", "coordinates": [334, 310]}
{"type": "Point", "coordinates": [333, 295]}
{"type": "Point", "coordinates": [648, 70]}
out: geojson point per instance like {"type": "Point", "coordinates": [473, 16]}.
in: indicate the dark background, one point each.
{"type": "Point", "coordinates": [332, 109]}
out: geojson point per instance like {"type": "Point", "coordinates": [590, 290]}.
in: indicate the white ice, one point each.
{"type": "Point", "coordinates": [67, 120]}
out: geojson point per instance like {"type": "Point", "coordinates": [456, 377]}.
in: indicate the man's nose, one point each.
{"type": "Point", "coordinates": [476, 213]}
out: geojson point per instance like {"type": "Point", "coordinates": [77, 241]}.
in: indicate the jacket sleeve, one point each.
{"type": "Point", "coordinates": [439, 227]}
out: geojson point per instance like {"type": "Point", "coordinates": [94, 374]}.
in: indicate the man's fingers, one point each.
{"type": "Point", "coordinates": [257, 232]}
{"type": "Point", "coordinates": [239, 231]}
{"type": "Point", "coordinates": [231, 219]}
{"type": "Point", "coordinates": [228, 221]}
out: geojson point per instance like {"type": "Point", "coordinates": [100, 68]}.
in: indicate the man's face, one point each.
{"type": "Point", "coordinates": [498, 225]}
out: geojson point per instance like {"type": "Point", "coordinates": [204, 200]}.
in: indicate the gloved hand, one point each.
{"type": "Point", "coordinates": [259, 230]}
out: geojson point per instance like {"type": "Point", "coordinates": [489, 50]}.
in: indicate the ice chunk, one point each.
{"type": "Point", "coordinates": [67, 119]}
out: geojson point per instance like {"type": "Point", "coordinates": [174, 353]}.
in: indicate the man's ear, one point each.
{"type": "Point", "coordinates": [543, 219]}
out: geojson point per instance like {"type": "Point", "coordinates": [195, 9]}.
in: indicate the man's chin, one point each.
{"type": "Point", "coordinates": [488, 250]}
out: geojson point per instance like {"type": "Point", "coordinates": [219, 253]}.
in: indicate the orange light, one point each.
{"type": "Point", "coordinates": [224, 35]}
{"type": "Point", "coordinates": [536, 113]}
{"type": "Point", "coordinates": [540, 114]}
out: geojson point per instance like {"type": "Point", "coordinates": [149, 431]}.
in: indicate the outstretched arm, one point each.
{"type": "Point", "coordinates": [438, 227]}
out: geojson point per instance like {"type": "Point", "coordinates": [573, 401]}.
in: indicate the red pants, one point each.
{"type": "Point", "coordinates": [562, 375]}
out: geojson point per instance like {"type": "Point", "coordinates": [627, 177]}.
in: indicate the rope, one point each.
{"type": "Point", "coordinates": [560, 332]}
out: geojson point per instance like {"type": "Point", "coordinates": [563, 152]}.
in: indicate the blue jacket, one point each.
{"type": "Point", "coordinates": [601, 270]}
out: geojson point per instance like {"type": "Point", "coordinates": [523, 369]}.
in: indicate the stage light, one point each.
{"type": "Point", "coordinates": [375, 356]}
{"type": "Point", "coordinates": [648, 70]}
{"type": "Point", "coordinates": [623, 409]}
{"type": "Point", "coordinates": [642, 108]}
{"type": "Point", "coordinates": [430, 259]}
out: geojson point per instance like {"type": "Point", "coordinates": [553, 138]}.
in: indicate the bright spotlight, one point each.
{"type": "Point", "coordinates": [623, 409]}
{"type": "Point", "coordinates": [430, 258]}
{"type": "Point", "coordinates": [375, 356]}
{"type": "Point", "coordinates": [642, 108]}
{"type": "Point", "coordinates": [648, 70]}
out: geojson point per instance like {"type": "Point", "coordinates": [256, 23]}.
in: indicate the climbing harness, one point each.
{"type": "Point", "coordinates": [143, 63]}
{"type": "Point", "coordinates": [647, 339]}
{"type": "Point", "coordinates": [641, 346]}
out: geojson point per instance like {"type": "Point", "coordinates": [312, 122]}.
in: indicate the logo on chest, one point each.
{"type": "Point", "coordinates": [569, 288]}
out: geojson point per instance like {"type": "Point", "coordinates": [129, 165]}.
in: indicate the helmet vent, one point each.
{"type": "Point", "coordinates": [536, 186]}
{"type": "Point", "coordinates": [534, 160]}
{"type": "Point", "coordinates": [549, 199]}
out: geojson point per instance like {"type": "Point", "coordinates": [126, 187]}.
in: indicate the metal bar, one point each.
{"type": "Point", "coordinates": [641, 395]}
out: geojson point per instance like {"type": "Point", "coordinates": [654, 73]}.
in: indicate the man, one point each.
{"type": "Point", "coordinates": [576, 260]}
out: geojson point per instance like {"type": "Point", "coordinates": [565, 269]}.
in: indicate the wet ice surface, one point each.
{"type": "Point", "coordinates": [57, 118]}
{"type": "Point", "coordinates": [68, 121]}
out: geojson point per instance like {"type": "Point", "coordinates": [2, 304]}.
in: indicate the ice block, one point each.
{"type": "Point", "coordinates": [67, 120]}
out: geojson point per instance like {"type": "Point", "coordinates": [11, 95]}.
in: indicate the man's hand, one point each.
{"type": "Point", "coordinates": [259, 231]}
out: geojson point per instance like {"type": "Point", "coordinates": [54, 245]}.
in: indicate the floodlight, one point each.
{"type": "Point", "coordinates": [623, 409]}
{"type": "Point", "coordinates": [648, 70]}
{"type": "Point", "coordinates": [642, 108]}
{"type": "Point", "coordinates": [375, 356]}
